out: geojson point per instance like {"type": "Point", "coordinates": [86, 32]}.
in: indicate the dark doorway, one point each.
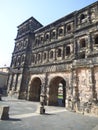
{"type": "Point", "coordinates": [57, 92]}
{"type": "Point", "coordinates": [35, 90]}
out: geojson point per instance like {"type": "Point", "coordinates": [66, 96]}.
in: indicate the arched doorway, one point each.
{"type": "Point", "coordinates": [35, 90]}
{"type": "Point", "coordinates": [57, 91]}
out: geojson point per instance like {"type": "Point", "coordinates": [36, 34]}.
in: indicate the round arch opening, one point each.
{"type": "Point", "coordinates": [57, 92]}
{"type": "Point", "coordinates": [35, 90]}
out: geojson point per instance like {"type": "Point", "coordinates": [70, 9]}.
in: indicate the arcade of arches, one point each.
{"type": "Point", "coordinates": [57, 91]}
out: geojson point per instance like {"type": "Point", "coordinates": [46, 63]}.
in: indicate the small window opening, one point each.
{"type": "Point", "coordinates": [59, 52]}
{"type": "Point", "coordinates": [82, 43]}
{"type": "Point", "coordinates": [47, 36]}
{"type": "Point", "coordinates": [68, 28]}
{"type": "Point", "coordinates": [39, 57]}
{"type": "Point", "coordinates": [53, 34]}
{"type": "Point", "coordinates": [44, 56]}
{"type": "Point", "coordinates": [68, 50]}
{"type": "Point", "coordinates": [82, 17]}
{"type": "Point", "coordinates": [51, 54]}
{"type": "Point", "coordinates": [96, 39]}
{"type": "Point", "coordinates": [60, 31]}
{"type": "Point", "coordinates": [41, 38]}
{"type": "Point", "coordinates": [82, 56]}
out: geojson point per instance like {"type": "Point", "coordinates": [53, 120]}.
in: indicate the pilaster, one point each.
{"type": "Point", "coordinates": [89, 46]}
{"type": "Point", "coordinates": [92, 84]}
{"type": "Point", "coordinates": [75, 93]}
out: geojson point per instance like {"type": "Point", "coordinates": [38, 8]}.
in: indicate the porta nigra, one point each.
{"type": "Point", "coordinates": [59, 60]}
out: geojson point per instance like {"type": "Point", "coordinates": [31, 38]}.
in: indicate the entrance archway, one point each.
{"type": "Point", "coordinates": [57, 91]}
{"type": "Point", "coordinates": [35, 90]}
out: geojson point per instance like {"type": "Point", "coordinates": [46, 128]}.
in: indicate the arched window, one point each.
{"type": "Point", "coordinates": [60, 32]}
{"type": "Point", "coordinates": [82, 17]}
{"type": "Point", "coordinates": [39, 57]}
{"type": "Point", "coordinates": [82, 43]}
{"type": "Point", "coordinates": [68, 50]}
{"type": "Point", "coordinates": [68, 28]}
{"type": "Point", "coordinates": [51, 55]}
{"type": "Point", "coordinates": [41, 38]}
{"type": "Point", "coordinates": [47, 36]}
{"type": "Point", "coordinates": [44, 56]}
{"type": "Point", "coordinates": [96, 39]}
{"type": "Point", "coordinates": [53, 34]}
{"type": "Point", "coordinates": [59, 52]}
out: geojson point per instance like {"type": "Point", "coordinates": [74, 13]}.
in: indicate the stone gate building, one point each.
{"type": "Point", "coordinates": [63, 54]}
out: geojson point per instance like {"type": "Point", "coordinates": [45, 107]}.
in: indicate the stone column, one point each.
{"type": "Point", "coordinates": [56, 32]}
{"type": "Point", "coordinates": [47, 56]}
{"type": "Point", "coordinates": [69, 90]}
{"type": "Point", "coordinates": [9, 83]}
{"type": "Point", "coordinates": [29, 87]}
{"type": "Point", "coordinates": [18, 84]}
{"type": "Point", "coordinates": [46, 90]}
{"type": "Point", "coordinates": [89, 46]}
{"type": "Point", "coordinates": [92, 94]}
{"type": "Point", "coordinates": [24, 85]}
{"type": "Point", "coordinates": [43, 87]}
{"type": "Point", "coordinates": [14, 82]}
{"type": "Point", "coordinates": [75, 20]}
{"type": "Point", "coordinates": [63, 54]}
{"type": "Point", "coordinates": [75, 48]}
{"type": "Point", "coordinates": [75, 94]}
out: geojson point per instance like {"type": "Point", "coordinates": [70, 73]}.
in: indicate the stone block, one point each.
{"type": "Point", "coordinates": [42, 110]}
{"type": "Point", "coordinates": [4, 112]}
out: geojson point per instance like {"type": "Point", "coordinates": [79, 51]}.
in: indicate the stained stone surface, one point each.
{"type": "Point", "coordinates": [4, 112]}
{"type": "Point", "coordinates": [66, 52]}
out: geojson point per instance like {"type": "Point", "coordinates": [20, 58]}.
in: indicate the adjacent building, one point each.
{"type": "Point", "coordinates": [4, 72]}
{"type": "Point", "coordinates": [59, 60]}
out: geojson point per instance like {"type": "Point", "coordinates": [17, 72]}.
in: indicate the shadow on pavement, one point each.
{"type": "Point", "coordinates": [48, 114]}
{"type": "Point", "coordinates": [13, 119]}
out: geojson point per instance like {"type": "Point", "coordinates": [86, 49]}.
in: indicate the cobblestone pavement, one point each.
{"type": "Point", "coordinates": [24, 115]}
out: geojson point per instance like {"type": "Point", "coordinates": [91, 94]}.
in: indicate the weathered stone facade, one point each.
{"type": "Point", "coordinates": [63, 52]}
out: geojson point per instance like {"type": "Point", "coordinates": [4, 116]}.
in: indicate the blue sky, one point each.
{"type": "Point", "coordinates": [14, 12]}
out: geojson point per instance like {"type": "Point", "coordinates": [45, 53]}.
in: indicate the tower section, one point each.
{"type": "Point", "coordinates": [19, 74]}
